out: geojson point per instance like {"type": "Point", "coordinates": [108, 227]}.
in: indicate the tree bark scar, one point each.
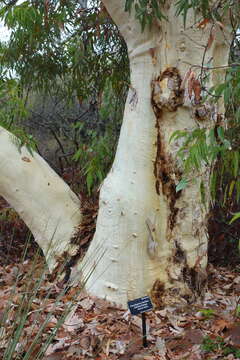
{"type": "Point", "coordinates": [167, 93]}
{"type": "Point", "coordinates": [64, 263]}
{"type": "Point", "coordinates": [85, 230]}
{"type": "Point", "coordinates": [157, 294]}
{"type": "Point", "coordinates": [194, 277]}
{"type": "Point", "coordinates": [166, 97]}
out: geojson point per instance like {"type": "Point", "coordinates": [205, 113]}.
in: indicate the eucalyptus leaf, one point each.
{"type": "Point", "coordinates": [235, 217]}
{"type": "Point", "coordinates": [182, 185]}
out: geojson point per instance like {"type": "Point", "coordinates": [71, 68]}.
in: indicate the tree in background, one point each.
{"type": "Point", "coordinates": [150, 235]}
{"type": "Point", "coordinates": [76, 60]}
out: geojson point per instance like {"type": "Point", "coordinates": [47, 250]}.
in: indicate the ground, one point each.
{"type": "Point", "coordinates": [81, 327]}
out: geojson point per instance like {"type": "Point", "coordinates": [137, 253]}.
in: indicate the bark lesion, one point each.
{"type": "Point", "coordinates": [166, 176]}
{"type": "Point", "coordinates": [79, 243]}
{"type": "Point", "coordinates": [166, 183]}
{"type": "Point", "coordinates": [157, 293]}
{"type": "Point", "coordinates": [184, 281]}
{"type": "Point", "coordinates": [190, 285]}
{"type": "Point", "coordinates": [167, 93]}
{"type": "Point", "coordinates": [194, 278]}
{"type": "Point", "coordinates": [179, 255]}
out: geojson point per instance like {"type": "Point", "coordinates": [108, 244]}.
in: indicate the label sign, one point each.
{"type": "Point", "coordinates": [141, 305]}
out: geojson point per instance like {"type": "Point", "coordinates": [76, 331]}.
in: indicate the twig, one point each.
{"type": "Point", "coordinates": [213, 67]}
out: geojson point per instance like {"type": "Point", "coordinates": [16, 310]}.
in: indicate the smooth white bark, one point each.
{"type": "Point", "coordinates": [149, 240]}
{"type": "Point", "coordinates": [42, 199]}
{"type": "Point", "coordinates": [139, 193]}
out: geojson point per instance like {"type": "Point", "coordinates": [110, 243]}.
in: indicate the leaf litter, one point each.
{"type": "Point", "coordinates": [93, 328]}
{"type": "Point", "coordinates": [97, 329]}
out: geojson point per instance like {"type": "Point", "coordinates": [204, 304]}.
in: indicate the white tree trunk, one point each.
{"type": "Point", "coordinates": [152, 239]}
{"type": "Point", "coordinates": [42, 199]}
{"type": "Point", "coordinates": [149, 239]}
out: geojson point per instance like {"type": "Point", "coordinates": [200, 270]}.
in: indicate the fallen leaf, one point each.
{"type": "Point", "coordinates": [160, 346]}
{"type": "Point", "coordinates": [234, 335]}
{"type": "Point", "coordinates": [193, 336]}
{"type": "Point", "coordinates": [73, 323]}
{"type": "Point", "coordinates": [219, 325]}
{"type": "Point", "coordinates": [86, 304]}
{"type": "Point", "coordinates": [59, 345]}
{"type": "Point", "coordinates": [203, 23]}
{"type": "Point", "coordinates": [237, 280]}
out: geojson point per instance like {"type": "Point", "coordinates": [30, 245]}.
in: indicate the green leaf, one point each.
{"type": "Point", "coordinates": [220, 133]}
{"type": "Point", "coordinates": [213, 185]}
{"type": "Point", "coordinates": [238, 190]}
{"type": "Point", "coordinates": [235, 217]}
{"type": "Point", "coordinates": [182, 9]}
{"type": "Point", "coordinates": [177, 135]}
{"type": "Point", "coordinates": [89, 181]}
{"type": "Point", "coordinates": [128, 5]}
{"type": "Point", "coordinates": [235, 163]}
{"type": "Point", "coordinates": [231, 188]}
{"type": "Point", "coordinates": [182, 185]}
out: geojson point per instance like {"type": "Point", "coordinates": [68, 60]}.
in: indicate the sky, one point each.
{"type": "Point", "coordinates": [4, 33]}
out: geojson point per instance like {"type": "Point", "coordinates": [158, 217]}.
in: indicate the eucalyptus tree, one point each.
{"type": "Point", "coordinates": [150, 235]}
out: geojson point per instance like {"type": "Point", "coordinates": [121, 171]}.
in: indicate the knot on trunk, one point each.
{"type": "Point", "coordinates": [166, 91]}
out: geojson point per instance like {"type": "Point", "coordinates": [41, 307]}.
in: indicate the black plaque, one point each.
{"type": "Point", "coordinates": [141, 305]}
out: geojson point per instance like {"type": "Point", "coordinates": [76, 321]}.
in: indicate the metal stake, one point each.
{"type": "Point", "coordinates": [144, 330]}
